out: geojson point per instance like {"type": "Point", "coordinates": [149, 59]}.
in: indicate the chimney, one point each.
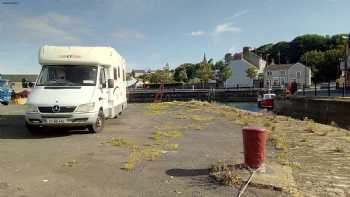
{"type": "Point", "coordinates": [246, 51]}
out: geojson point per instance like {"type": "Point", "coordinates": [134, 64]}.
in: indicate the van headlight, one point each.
{"type": "Point", "coordinates": [32, 108]}
{"type": "Point", "coordinates": [88, 107]}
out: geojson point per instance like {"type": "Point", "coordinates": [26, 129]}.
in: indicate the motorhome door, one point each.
{"type": "Point", "coordinates": [104, 91]}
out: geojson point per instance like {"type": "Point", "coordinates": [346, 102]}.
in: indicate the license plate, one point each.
{"type": "Point", "coordinates": [55, 121]}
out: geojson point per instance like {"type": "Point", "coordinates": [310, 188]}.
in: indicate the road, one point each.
{"type": "Point", "coordinates": [78, 164]}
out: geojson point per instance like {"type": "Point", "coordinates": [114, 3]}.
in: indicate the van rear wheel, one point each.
{"type": "Point", "coordinates": [98, 126]}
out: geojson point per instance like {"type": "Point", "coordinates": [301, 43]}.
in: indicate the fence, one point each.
{"type": "Point", "coordinates": [325, 90]}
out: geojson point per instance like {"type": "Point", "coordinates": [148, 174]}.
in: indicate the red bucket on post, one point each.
{"type": "Point", "coordinates": [254, 141]}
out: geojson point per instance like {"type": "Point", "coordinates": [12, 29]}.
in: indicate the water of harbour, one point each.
{"type": "Point", "coordinates": [249, 106]}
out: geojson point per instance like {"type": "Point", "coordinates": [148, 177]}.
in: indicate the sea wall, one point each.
{"type": "Point", "coordinates": [324, 110]}
{"type": "Point", "coordinates": [142, 96]}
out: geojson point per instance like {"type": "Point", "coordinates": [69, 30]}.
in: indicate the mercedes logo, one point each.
{"type": "Point", "coordinates": [56, 108]}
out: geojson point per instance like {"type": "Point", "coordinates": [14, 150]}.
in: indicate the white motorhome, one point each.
{"type": "Point", "coordinates": [77, 87]}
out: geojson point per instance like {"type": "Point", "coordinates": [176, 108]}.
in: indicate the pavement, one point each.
{"type": "Point", "coordinates": [76, 163]}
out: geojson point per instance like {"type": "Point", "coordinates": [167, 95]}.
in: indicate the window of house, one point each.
{"type": "Point", "coordinates": [283, 73]}
{"type": "Point", "coordinates": [298, 74]}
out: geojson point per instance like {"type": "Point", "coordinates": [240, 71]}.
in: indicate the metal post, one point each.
{"type": "Point", "coordinates": [305, 77]}
{"type": "Point", "coordinates": [347, 47]}
{"type": "Point", "coordinates": [315, 89]}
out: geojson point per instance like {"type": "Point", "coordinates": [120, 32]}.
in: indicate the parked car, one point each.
{"type": "Point", "coordinates": [5, 92]}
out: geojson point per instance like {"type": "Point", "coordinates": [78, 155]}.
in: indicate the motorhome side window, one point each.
{"type": "Point", "coordinates": [118, 72]}
{"type": "Point", "coordinates": [103, 78]}
{"type": "Point", "coordinates": [115, 73]}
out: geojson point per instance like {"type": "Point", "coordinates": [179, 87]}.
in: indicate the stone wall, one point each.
{"type": "Point", "coordinates": [203, 95]}
{"type": "Point", "coordinates": [324, 110]}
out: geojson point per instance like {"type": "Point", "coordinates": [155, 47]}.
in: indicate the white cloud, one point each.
{"type": "Point", "coordinates": [51, 27]}
{"type": "Point", "coordinates": [126, 34]}
{"type": "Point", "coordinates": [239, 14]}
{"type": "Point", "coordinates": [226, 27]}
{"type": "Point", "coordinates": [197, 33]}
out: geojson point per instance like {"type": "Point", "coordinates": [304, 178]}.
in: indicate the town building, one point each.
{"type": "Point", "coordinates": [137, 73]}
{"type": "Point", "coordinates": [239, 64]}
{"type": "Point", "coordinates": [277, 76]}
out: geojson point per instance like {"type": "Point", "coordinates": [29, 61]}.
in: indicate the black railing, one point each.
{"type": "Point", "coordinates": [324, 90]}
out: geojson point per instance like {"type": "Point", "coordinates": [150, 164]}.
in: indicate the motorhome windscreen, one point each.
{"type": "Point", "coordinates": [68, 75]}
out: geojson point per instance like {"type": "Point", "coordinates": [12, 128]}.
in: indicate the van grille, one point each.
{"type": "Point", "coordinates": [63, 109]}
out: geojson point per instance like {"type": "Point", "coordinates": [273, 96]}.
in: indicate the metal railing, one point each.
{"type": "Point", "coordinates": [325, 90]}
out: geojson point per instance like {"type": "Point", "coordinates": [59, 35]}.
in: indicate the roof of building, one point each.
{"type": "Point", "coordinates": [139, 71]}
{"type": "Point", "coordinates": [279, 66]}
{"type": "Point", "coordinates": [18, 78]}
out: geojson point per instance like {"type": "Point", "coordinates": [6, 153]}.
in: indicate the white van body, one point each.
{"type": "Point", "coordinates": [75, 86]}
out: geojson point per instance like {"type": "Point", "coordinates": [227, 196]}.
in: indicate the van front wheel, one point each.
{"type": "Point", "coordinates": [34, 130]}
{"type": "Point", "coordinates": [97, 127]}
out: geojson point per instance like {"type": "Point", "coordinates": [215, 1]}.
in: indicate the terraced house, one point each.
{"type": "Point", "coordinates": [277, 76]}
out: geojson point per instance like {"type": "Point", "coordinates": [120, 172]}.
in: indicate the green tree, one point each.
{"type": "Point", "coordinates": [145, 77]}
{"type": "Point", "coordinates": [252, 72]}
{"type": "Point", "coordinates": [280, 52]}
{"type": "Point", "coordinates": [324, 65]}
{"type": "Point", "coordinates": [204, 72]}
{"type": "Point", "coordinates": [224, 71]}
{"type": "Point", "coordinates": [184, 72]}
{"type": "Point", "coordinates": [305, 43]}
{"type": "Point", "coordinates": [228, 57]}
{"type": "Point", "coordinates": [164, 75]}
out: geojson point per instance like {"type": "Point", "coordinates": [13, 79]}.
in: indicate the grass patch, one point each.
{"type": "Point", "coordinates": [171, 147]}
{"type": "Point", "coordinates": [171, 134]}
{"type": "Point", "coordinates": [70, 163]}
{"type": "Point", "coordinates": [339, 149]}
{"type": "Point", "coordinates": [195, 127]}
{"type": "Point", "coordinates": [325, 133]}
{"type": "Point", "coordinates": [277, 141]}
{"type": "Point", "coordinates": [121, 142]}
{"type": "Point", "coordinates": [136, 155]}
{"type": "Point", "coordinates": [310, 129]}
{"type": "Point", "coordinates": [292, 164]}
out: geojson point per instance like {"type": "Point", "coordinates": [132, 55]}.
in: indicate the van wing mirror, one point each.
{"type": "Point", "coordinates": [110, 83]}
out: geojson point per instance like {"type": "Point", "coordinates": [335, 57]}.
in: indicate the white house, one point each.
{"type": "Point", "coordinates": [279, 75]}
{"type": "Point", "coordinates": [137, 73]}
{"type": "Point", "coordinates": [239, 64]}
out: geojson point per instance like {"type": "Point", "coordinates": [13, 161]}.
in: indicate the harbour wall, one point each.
{"type": "Point", "coordinates": [323, 110]}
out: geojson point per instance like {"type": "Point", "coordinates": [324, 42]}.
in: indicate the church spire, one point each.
{"type": "Point", "coordinates": [205, 59]}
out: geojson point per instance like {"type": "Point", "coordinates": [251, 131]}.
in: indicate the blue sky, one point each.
{"type": "Point", "coordinates": [150, 33]}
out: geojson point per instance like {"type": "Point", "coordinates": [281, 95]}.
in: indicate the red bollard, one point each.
{"type": "Point", "coordinates": [254, 141]}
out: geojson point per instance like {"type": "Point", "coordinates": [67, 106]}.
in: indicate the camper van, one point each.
{"type": "Point", "coordinates": [77, 87]}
